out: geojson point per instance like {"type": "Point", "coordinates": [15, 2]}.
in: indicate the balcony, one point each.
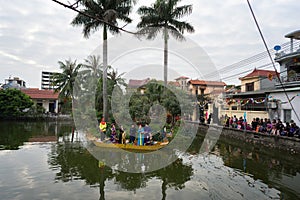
{"type": "Point", "coordinates": [290, 81]}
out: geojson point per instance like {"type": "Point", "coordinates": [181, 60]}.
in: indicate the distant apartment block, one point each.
{"type": "Point", "coordinates": [47, 81]}
{"type": "Point", "coordinates": [14, 82]}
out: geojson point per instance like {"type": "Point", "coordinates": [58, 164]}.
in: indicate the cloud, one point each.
{"type": "Point", "coordinates": [39, 33]}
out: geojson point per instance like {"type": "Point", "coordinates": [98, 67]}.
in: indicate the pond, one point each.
{"type": "Point", "coordinates": [42, 160]}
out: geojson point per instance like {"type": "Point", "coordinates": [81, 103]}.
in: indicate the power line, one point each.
{"type": "Point", "coordinates": [235, 75]}
{"type": "Point", "coordinates": [246, 62]}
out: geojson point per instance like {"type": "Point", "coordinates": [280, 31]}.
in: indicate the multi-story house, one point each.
{"type": "Point", "coordinates": [285, 99]}
{"type": "Point", "coordinates": [253, 98]}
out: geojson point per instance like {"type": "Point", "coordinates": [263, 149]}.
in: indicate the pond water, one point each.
{"type": "Point", "coordinates": [44, 161]}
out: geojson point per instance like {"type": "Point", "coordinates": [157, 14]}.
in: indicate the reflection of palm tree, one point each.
{"type": "Point", "coordinates": [75, 162]}
{"type": "Point", "coordinates": [164, 188]}
{"type": "Point", "coordinates": [102, 184]}
{"type": "Point", "coordinates": [168, 177]}
{"type": "Point", "coordinates": [108, 11]}
{"type": "Point", "coordinates": [163, 16]}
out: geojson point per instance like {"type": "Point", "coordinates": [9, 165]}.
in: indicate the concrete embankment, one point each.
{"type": "Point", "coordinates": [291, 144]}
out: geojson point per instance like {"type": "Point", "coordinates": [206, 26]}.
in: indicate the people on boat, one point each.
{"type": "Point", "coordinates": [147, 134]}
{"type": "Point", "coordinates": [102, 127]}
{"type": "Point", "coordinates": [140, 141]}
{"type": "Point", "coordinates": [113, 136]}
{"type": "Point", "coordinates": [132, 134]}
{"type": "Point", "coordinates": [164, 132]}
{"type": "Point", "coordinates": [122, 136]}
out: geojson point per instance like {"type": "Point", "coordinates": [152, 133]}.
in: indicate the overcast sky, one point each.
{"type": "Point", "coordinates": [36, 34]}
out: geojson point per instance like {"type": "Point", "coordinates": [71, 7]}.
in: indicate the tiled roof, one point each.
{"type": "Point", "coordinates": [260, 73]}
{"type": "Point", "coordinates": [182, 77]}
{"type": "Point", "coordinates": [174, 83]}
{"type": "Point", "coordinates": [137, 83]}
{"type": "Point", "coordinates": [207, 83]}
{"type": "Point", "coordinates": [35, 93]}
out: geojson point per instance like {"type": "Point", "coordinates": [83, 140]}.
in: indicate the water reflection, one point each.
{"type": "Point", "coordinates": [233, 170]}
{"type": "Point", "coordinates": [14, 134]}
{"type": "Point", "coordinates": [207, 172]}
{"type": "Point", "coordinates": [74, 162]}
{"type": "Point", "coordinates": [277, 169]}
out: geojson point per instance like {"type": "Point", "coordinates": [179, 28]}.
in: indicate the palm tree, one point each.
{"type": "Point", "coordinates": [163, 16]}
{"type": "Point", "coordinates": [92, 66]}
{"type": "Point", "coordinates": [108, 11]}
{"type": "Point", "coordinates": [116, 78]}
{"type": "Point", "coordinates": [65, 80]}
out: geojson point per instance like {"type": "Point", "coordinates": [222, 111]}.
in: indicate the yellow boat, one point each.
{"type": "Point", "coordinates": [131, 147]}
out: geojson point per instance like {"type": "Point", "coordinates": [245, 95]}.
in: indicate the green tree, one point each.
{"type": "Point", "coordinates": [14, 103]}
{"type": "Point", "coordinates": [114, 79]}
{"type": "Point", "coordinates": [65, 80]}
{"type": "Point", "coordinates": [109, 11]}
{"type": "Point", "coordinates": [163, 16]}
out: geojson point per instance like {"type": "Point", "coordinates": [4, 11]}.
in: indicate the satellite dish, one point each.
{"type": "Point", "coordinates": [277, 48]}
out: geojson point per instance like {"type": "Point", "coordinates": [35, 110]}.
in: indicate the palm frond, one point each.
{"type": "Point", "coordinates": [182, 26]}
{"type": "Point", "coordinates": [149, 32]}
{"type": "Point", "coordinates": [175, 33]}
{"type": "Point", "coordinates": [182, 11]}
{"type": "Point", "coordinates": [110, 11]}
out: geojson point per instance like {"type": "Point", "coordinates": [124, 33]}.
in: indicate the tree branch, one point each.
{"type": "Point", "coordinates": [74, 8]}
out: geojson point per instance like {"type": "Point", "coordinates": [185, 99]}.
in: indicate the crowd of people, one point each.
{"type": "Point", "coordinates": [274, 127]}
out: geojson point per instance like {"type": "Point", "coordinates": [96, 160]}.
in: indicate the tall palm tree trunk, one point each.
{"type": "Point", "coordinates": [166, 37]}
{"type": "Point", "coordinates": [105, 110]}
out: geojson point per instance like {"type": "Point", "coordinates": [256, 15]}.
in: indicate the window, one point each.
{"type": "Point", "coordinates": [249, 87]}
{"type": "Point", "coordinates": [287, 115]}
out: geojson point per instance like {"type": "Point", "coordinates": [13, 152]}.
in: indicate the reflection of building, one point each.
{"type": "Point", "coordinates": [47, 80]}
{"type": "Point", "coordinates": [15, 82]}
{"type": "Point", "coordinates": [45, 98]}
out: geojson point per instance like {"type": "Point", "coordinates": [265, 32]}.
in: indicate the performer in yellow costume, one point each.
{"type": "Point", "coordinates": [102, 127]}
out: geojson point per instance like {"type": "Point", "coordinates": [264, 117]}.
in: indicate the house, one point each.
{"type": "Point", "coordinates": [285, 99]}
{"type": "Point", "coordinates": [211, 90]}
{"type": "Point", "coordinates": [138, 85]}
{"type": "Point", "coordinates": [14, 82]}
{"type": "Point", "coordinates": [259, 80]}
{"type": "Point", "coordinates": [253, 98]}
{"type": "Point", "coordinates": [182, 82]}
{"type": "Point", "coordinates": [46, 98]}
{"type": "Point", "coordinates": [199, 87]}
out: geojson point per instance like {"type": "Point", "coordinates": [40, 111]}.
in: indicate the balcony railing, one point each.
{"type": "Point", "coordinates": [293, 78]}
